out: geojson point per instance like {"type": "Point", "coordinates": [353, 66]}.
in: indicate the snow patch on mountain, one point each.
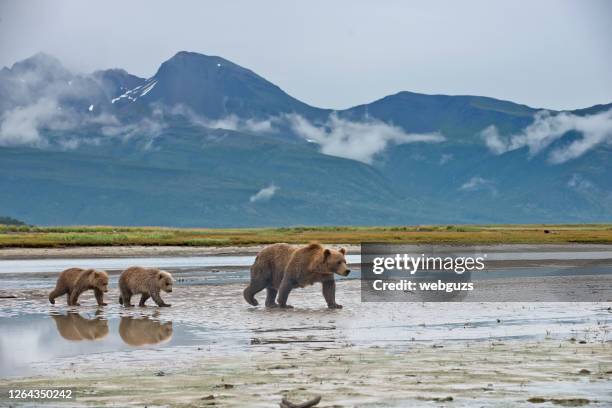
{"type": "Point", "coordinates": [147, 88]}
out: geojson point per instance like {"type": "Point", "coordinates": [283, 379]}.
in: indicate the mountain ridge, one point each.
{"type": "Point", "coordinates": [141, 160]}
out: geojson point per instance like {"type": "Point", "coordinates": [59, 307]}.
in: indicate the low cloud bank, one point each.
{"type": "Point", "coordinates": [45, 104]}
{"type": "Point", "coordinates": [357, 140]}
{"type": "Point", "coordinates": [547, 128]}
{"type": "Point", "coordinates": [230, 122]}
{"type": "Point", "coordinates": [264, 194]}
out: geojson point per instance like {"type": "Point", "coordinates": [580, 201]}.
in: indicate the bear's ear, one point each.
{"type": "Point", "coordinates": [343, 251]}
{"type": "Point", "coordinates": [96, 273]}
{"type": "Point", "coordinates": [326, 253]}
{"type": "Point", "coordinates": [160, 275]}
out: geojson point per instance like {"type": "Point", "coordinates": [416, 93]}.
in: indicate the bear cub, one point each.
{"type": "Point", "coordinates": [148, 282]}
{"type": "Point", "coordinates": [281, 267]}
{"type": "Point", "coordinates": [74, 281]}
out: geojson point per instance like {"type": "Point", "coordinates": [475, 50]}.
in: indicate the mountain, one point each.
{"type": "Point", "coordinates": [205, 142]}
{"type": "Point", "coordinates": [213, 87]}
{"type": "Point", "coordinates": [462, 117]}
{"type": "Point", "coordinates": [117, 81]}
{"type": "Point", "coordinates": [43, 80]}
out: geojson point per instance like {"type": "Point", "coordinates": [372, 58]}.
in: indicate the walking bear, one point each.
{"type": "Point", "coordinates": [147, 282]}
{"type": "Point", "coordinates": [74, 281]}
{"type": "Point", "coordinates": [280, 267]}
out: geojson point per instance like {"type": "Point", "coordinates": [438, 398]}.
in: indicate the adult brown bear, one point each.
{"type": "Point", "coordinates": [281, 267]}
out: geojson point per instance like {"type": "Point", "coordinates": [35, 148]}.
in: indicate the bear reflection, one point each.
{"type": "Point", "coordinates": [75, 327]}
{"type": "Point", "coordinates": [144, 331]}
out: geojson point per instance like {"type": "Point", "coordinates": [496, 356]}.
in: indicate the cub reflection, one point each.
{"type": "Point", "coordinates": [144, 331]}
{"type": "Point", "coordinates": [74, 327]}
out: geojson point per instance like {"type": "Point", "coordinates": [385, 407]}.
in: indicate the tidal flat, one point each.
{"type": "Point", "coordinates": [212, 349]}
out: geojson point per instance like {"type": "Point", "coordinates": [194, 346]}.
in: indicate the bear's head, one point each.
{"type": "Point", "coordinates": [99, 280]}
{"type": "Point", "coordinates": [164, 281]}
{"type": "Point", "coordinates": [335, 261]}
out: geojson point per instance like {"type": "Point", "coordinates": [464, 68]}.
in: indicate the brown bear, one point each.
{"type": "Point", "coordinates": [282, 267]}
{"type": "Point", "coordinates": [74, 281]}
{"type": "Point", "coordinates": [75, 327]}
{"type": "Point", "coordinates": [147, 282]}
{"type": "Point", "coordinates": [141, 332]}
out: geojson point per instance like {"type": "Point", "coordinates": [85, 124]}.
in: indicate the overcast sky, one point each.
{"type": "Point", "coordinates": [335, 54]}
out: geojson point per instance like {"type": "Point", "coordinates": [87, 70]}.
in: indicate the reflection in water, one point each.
{"type": "Point", "coordinates": [75, 327]}
{"type": "Point", "coordinates": [144, 331]}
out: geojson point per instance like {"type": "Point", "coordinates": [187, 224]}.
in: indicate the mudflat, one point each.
{"type": "Point", "coordinates": [210, 348]}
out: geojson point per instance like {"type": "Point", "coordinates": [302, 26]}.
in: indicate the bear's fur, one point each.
{"type": "Point", "coordinates": [141, 332]}
{"type": "Point", "coordinates": [281, 267]}
{"type": "Point", "coordinates": [74, 281]}
{"type": "Point", "coordinates": [75, 327]}
{"type": "Point", "coordinates": [147, 282]}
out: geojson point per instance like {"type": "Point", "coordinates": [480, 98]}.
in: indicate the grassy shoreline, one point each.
{"type": "Point", "coordinates": [83, 236]}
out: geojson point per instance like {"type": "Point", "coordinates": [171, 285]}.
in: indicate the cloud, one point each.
{"type": "Point", "coordinates": [230, 122]}
{"type": "Point", "coordinates": [547, 128]}
{"type": "Point", "coordinates": [264, 194]}
{"type": "Point", "coordinates": [41, 104]}
{"type": "Point", "coordinates": [27, 126]}
{"type": "Point", "coordinates": [478, 183]}
{"type": "Point", "coordinates": [445, 158]}
{"type": "Point", "coordinates": [579, 183]}
{"type": "Point", "coordinates": [360, 141]}
{"type": "Point", "coordinates": [20, 125]}
{"type": "Point", "coordinates": [147, 128]}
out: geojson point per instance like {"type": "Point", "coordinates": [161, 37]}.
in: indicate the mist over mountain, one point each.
{"type": "Point", "coordinates": [206, 142]}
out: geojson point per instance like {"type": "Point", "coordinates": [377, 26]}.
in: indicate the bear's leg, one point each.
{"type": "Point", "coordinates": [143, 299]}
{"type": "Point", "coordinates": [157, 298]}
{"type": "Point", "coordinates": [57, 292]}
{"type": "Point", "coordinates": [125, 298]}
{"type": "Point", "coordinates": [271, 297]}
{"type": "Point", "coordinates": [73, 300]}
{"type": "Point", "coordinates": [257, 285]}
{"type": "Point", "coordinates": [283, 292]}
{"type": "Point", "coordinates": [99, 297]}
{"type": "Point", "coordinates": [329, 293]}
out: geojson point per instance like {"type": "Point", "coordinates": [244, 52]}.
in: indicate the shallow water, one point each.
{"type": "Point", "coordinates": [30, 339]}
{"type": "Point", "coordinates": [37, 336]}
{"type": "Point", "coordinates": [21, 266]}
{"type": "Point", "coordinates": [210, 323]}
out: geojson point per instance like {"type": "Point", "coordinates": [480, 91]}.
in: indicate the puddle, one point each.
{"type": "Point", "coordinates": [29, 340]}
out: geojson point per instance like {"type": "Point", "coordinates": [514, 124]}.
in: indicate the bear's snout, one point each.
{"type": "Point", "coordinates": [344, 272]}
